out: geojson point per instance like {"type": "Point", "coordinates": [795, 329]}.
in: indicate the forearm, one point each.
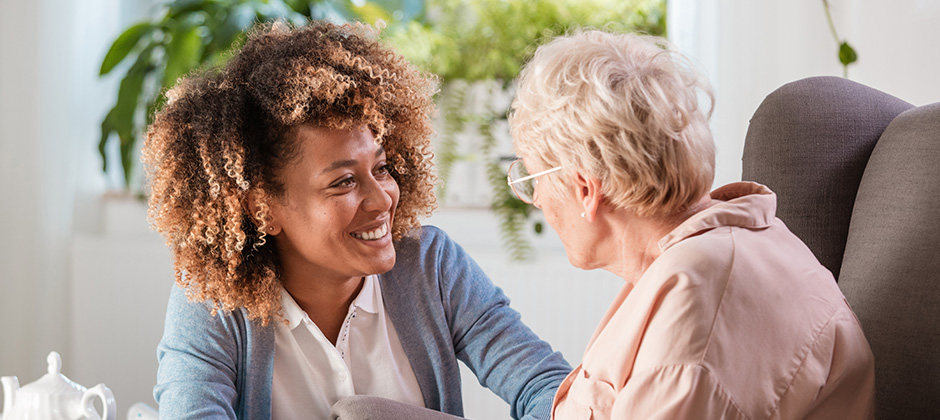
{"type": "Point", "coordinates": [513, 362]}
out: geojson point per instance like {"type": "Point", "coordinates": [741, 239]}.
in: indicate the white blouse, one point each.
{"type": "Point", "coordinates": [310, 374]}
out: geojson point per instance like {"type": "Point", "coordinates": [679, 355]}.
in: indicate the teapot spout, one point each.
{"type": "Point", "coordinates": [10, 385]}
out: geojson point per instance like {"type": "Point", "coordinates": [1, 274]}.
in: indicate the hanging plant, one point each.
{"type": "Point", "coordinates": [846, 54]}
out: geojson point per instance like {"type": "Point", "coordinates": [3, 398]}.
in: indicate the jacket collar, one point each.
{"type": "Point", "coordinates": [742, 204]}
{"type": "Point", "coordinates": [365, 300]}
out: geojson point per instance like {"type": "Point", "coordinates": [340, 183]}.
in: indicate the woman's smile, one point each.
{"type": "Point", "coordinates": [372, 235]}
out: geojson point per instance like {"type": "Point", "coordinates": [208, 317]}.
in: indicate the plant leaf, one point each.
{"type": "Point", "coordinates": [106, 129]}
{"type": "Point", "coordinates": [121, 119]}
{"type": "Point", "coordinates": [371, 12]}
{"type": "Point", "coordinates": [180, 7]}
{"type": "Point", "coordinates": [123, 45]}
{"type": "Point", "coordinates": [183, 54]}
{"type": "Point", "coordinates": [299, 6]}
{"type": "Point", "coordinates": [128, 96]}
{"type": "Point", "coordinates": [127, 155]}
{"type": "Point", "coordinates": [239, 19]}
{"type": "Point", "coordinates": [153, 105]}
{"type": "Point", "coordinates": [847, 54]}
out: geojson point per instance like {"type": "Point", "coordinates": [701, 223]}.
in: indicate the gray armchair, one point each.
{"type": "Point", "coordinates": [857, 175]}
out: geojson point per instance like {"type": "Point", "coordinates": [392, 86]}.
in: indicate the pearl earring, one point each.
{"type": "Point", "coordinates": [582, 215]}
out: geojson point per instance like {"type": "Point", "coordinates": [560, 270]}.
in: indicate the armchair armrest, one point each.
{"type": "Point", "coordinates": [367, 407]}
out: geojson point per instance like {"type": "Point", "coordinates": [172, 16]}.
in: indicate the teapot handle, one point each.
{"type": "Point", "coordinates": [107, 402]}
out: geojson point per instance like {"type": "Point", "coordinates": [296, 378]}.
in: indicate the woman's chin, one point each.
{"type": "Point", "coordinates": [384, 262]}
{"type": "Point", "coordinates": [580, 260]}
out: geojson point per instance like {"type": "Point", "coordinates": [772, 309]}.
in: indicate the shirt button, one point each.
{"type": "Point", "coordinates": [341, 376]}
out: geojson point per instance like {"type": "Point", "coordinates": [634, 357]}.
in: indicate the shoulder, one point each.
{"type": "Point", "coordinates": [701, 258]}
{"type": "Point", "coordinates": [424, 248]}
{"type": "Point", "coordinates": [191, 328]}
{"type": "Point", "coordinates": [424, 237]}
{"type": "Point", "coordinates": [181, 309]}
{"type": "Point", "coordinates": [677, 300]}
{"type": "Point", "coordinates": [416, 258]}
{"type": "Point", "coordinates": [198, 320]}
{"type": "Point", "coordinates": [430, 259]}
{"type": "Point", "coordinates": [181, 304]}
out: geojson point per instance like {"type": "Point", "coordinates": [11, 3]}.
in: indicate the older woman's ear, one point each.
{"type": "Point", "coordinates": [588, 194]}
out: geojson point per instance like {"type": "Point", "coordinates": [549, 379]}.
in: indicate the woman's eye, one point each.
{"type": "Point", "coordinates": [383, 169]}
{"type": "Point", "coordinates": [344, 183]}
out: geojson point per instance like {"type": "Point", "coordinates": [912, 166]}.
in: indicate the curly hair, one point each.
{"type": "Point", "coordinates": [224, 134]}
{"type": "Point", "coordinates": [623, 109]}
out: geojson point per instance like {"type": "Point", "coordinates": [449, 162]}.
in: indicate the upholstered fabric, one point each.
{"type": "Point", "coordinates": [809, 141]}
{"type": "Point", "coordinates": [364, 407]}
{"type": "Point", "coordinates": [891, 270]}
{"type": "Point", "coordinates": [857, 175]}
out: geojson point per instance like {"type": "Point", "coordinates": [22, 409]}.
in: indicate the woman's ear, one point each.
{"type": "Point", "coordinates": [262, 214]}
{"type": "Point", "coordinates": [588, 193]}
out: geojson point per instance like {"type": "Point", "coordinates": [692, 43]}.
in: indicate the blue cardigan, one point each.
{"type": "Point", "coordinates": [443, 306]}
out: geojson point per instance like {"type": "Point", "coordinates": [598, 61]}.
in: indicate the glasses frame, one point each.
{"type": "Point", "coordinates": [512, 182]}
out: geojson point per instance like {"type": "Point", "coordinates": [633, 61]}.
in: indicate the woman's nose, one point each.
{"type": "Point", "coordinates": [378, 195]}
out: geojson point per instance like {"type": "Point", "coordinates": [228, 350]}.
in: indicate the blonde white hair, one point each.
{"type": "Point", "coordinates": [624, 109]}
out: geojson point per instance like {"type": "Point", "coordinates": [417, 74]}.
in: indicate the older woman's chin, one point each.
{"type": "Point", "coordinates": [579, 258]}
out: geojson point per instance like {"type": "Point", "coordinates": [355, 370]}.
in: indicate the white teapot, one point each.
{"type": "Point", "coordinates": [54, 397]}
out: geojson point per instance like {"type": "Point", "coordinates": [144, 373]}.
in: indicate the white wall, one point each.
{"type": "Point", "coordinates": [749, 48]}
{"type": "Point", "coordinates": [51, 103]}
{"type": "Point", "coordinates": [899, 47]}
{"type": "Point", "coordinates": [20, 260]}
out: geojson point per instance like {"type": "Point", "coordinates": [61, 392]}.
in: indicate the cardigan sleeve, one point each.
{"type": "Point", "coordinates": [198, 361]}
{"type": "Point", "coordinates": [490, 338]}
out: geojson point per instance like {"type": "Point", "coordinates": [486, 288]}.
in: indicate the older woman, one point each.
{"type": "Point", "coordinates": [289, 186]}
{"type": "Point", "coordinates": [724, 314]}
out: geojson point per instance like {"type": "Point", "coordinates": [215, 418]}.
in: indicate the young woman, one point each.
{"type": "Point", "coordinates": [289, 186]}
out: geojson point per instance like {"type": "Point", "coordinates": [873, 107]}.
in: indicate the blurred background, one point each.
{"type": "Point", "coordinates": [82, 274]}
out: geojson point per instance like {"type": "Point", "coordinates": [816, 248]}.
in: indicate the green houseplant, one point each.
{"type": "Point", "coordinates": [472, 42]}
{"type": "Point", "coordinates": [190, 34]}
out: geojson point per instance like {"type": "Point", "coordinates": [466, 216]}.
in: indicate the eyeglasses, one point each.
{"type": "Point", "coordinates": [522, 183]}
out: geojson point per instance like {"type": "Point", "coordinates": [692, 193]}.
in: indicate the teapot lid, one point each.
{"type": "Point", "coordinates": [53, 382]}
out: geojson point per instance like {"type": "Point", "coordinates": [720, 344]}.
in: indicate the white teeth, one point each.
{"type": "Point", "coordinates": [373, 235]}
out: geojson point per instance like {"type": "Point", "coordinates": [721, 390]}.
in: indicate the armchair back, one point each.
{"type": "Point", "coordinates": [857, 176]}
